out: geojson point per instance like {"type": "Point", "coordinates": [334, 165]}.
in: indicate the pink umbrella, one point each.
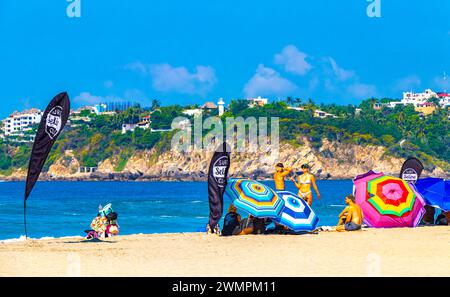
{"type": "Point", "coordinates": [388, 202]}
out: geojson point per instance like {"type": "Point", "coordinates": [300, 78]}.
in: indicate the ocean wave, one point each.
{"type": "Point", "coordinates": [166, 216]}
{"type": "Point", "coordinates": [337, 205]}
{"type": "Point", "coordinates": [196, 201]}
{"type": "Point", "coordinates": [23, 238]}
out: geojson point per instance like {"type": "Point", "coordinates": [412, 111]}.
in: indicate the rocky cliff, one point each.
{"type": "Point", "coordinates": [331, 161]}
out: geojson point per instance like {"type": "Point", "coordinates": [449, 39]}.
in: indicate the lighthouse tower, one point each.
{"type": "Point", "coordinates": [221, 105]}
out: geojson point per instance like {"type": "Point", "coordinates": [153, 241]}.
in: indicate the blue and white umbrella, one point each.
{"type": "Point", "coordinates": [296, 214]}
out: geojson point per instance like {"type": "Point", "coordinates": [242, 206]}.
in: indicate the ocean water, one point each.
{"type": "Point", "coordinates": [58, 209]}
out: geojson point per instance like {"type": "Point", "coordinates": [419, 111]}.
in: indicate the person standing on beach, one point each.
{"type": "Point", "coordinates": [304, 185]}
{"type": "Point", "coordinates": [354, 218]}
{"type": "Point", "coordinates": [280, 174]}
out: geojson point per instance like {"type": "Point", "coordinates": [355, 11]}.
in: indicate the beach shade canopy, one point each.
{"type": "Point", "coordinates": [387, 201]}
{"type": "Point", "coordinates": [435, 191]}
{"type": "Point", "coordinates": [296, 214]}
{"type": "Point", "coordinates": [255, 198]}
{"type": "Point", "coordinates": [106, 210]}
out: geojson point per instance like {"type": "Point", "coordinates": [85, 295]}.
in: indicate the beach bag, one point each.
{"type": "Point", "coordinates": [230, 222]}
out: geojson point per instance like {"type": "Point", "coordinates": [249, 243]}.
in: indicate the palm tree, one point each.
{"type": "Point", "coordinates": [155, 104]}
{"type": "Point", "coordinates": [289, 100]}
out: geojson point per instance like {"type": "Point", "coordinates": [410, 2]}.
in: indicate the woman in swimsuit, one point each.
{"type": "Point", "coordinates": [304, 185]}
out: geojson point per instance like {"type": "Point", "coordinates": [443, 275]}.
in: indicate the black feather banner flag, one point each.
{"type": "Point", "coordinates": [217, 181]}
{"type": "Point", "coordinates": [411, 170]}
{"type": "Point", "coordinates": [52, 123]}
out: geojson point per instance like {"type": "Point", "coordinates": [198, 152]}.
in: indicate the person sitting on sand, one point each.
{"type": "Point", "coordinates": [231, 222]}
{"type": "Point", "coordinates": [247, 225]}
{"type": "Point", "coordinates": [279, 175]}
{"type": "Point", "coordinates": [354, 217]}
{"type": "Point", "coordinates": [98, 225]}
{"type": "Point", "coordinates": [112, 228]}
{"type": "Point", "coordinates": [304, 185]}
{"type": "Point", "coordinates": [233, 225]}
{"type": "Point", "coordinates": [343, 216]}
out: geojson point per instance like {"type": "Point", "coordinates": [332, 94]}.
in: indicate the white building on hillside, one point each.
{"type": "Point", "coordinates": [257, 101]}
{"type": "Point", "coordinates": [322, 114]}
{"type": "Point", "coordinates": [420, 99]}
{"type": "Point", "coordinates": [444, 99]}
{"type": "Point", "coordinates": [131, 127]}
{"type": "Point", "coordinates": [193, 112]}
{"type": "Point", "coordinates": [18, 122]}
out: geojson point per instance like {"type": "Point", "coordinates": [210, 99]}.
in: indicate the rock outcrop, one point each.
{"type": "Point", "coordinates": [331, 161]}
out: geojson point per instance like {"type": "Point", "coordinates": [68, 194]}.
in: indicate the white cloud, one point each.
{"type": "Point", "coordinates": [167, 78]}
{"type": "Point", "coordinates": [293, 60]}
{"type": "Point", "coordinates": [87, 98]}
{"type": "Point", "coordinates": [361, 90]}
{"type": "Point", "coordinates": [339, 72]}
{"type": "Point", "coordinates": [407, 83]}
{"type": "Point", "coordinates": [267, 81]}
{"type": "Point", "coordinates": [137, 67]}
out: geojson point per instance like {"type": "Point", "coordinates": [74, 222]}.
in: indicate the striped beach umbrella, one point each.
{"type": "Point", "coordinates": [388, 201]}
{"type": "Point", "coordinates": [297, 215]}
{"type": "Point", "coordinates": [255, 198]}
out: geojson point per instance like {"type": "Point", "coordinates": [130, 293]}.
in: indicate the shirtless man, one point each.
{"type": "Point", "coordinates": [354, 216]}
{"type": "Point", "coordinates": [280, 173]}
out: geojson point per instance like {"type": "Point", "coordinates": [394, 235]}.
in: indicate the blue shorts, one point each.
{"type": "Point", "coordinates": [350, 226]}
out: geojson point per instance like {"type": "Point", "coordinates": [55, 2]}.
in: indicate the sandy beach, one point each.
{"type": "Point", "coordinates": [423, 251]}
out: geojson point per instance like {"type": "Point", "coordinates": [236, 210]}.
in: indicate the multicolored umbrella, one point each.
{"type": "Point", "coordinates": [297, 215]}
{"type": "Point", "coordinates": [255, 198]}
{"type": "Point", "coordinates": [388, 201]}
{"type": "Point", "coordinates": [435, 191]}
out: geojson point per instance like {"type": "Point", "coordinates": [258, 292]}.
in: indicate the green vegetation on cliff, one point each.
{"type": "Point", "coordinates": [401, 130]}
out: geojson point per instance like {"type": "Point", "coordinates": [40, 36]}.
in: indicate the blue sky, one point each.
{"type": "Point", "coordinates": [192, 51]}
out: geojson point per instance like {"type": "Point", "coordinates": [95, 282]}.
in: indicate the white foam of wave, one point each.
{"type": "Point", "coordinates": [337, 205]}
{"type": "Point", "coordinates": [23, 238]}
{"type": "Point", "coordinates": [201, 217]}
{"type": "Point", "coordinates": [196, 201]}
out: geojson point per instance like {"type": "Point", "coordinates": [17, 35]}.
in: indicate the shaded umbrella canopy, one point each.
{"type": "Point", "coordinates": [255, 198]}
{"type": "Point", "coordinates": [388, 201]}
{"type": "Point", "coordinates": [435, 191]}
{"type": "Point", "coordinates": [297, 215]}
